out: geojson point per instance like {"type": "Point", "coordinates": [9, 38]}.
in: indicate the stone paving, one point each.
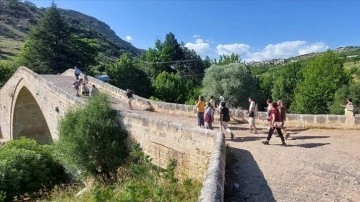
{"type": "Point", "coordinates": [317, 165]}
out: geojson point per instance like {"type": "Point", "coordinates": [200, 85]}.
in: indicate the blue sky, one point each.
{"type": "Point", "coordinates": [256, 30]}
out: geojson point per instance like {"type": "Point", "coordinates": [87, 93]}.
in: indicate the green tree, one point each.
{"type": "Point", "coordinates": [354, 93]}
{"type": "Point", "coordinates": [286, 81]}
{"type": "Point", "coordinates": [51, 47]}
{"type": "Point", "coordinates": [233, 81]}
{"type": "Point", "coordinates": [340, 96]}
{"type": "Point", "coordinates": [126, 73]}
{"type": "Point", "coordinates": [92, 139]}
{"type": "Point", "coordinates": [227, 59]}
{"type": "Point", "coordinates": [170, 56]}
{"type": "Point", "coordinates": [7, 68]}
{"type": "Point", "coordinates": [322, 77]}
{"type": "Point", "coordinates": [170, 87]}
{"type": "Point", "coordinates": [26, 167]}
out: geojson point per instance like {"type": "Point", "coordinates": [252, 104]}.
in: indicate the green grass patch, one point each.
{"type": "Point", "coordinates": [137, 180]}
{"type": "Point", "coordinates": [9, 48]}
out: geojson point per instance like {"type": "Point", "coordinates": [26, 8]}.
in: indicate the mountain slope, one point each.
{"type": "Point", "coordinates": [18, 18]}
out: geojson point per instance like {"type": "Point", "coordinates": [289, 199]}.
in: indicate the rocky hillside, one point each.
{"type": "Point", "coordinates": [18, 18]}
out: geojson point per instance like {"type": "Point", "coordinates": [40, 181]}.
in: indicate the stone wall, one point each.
{"type": "Point", "coordinates": [293, 120]}
{"type": "Point", "coordinates": [52, 102]}
{"type": "Point", "coordinates": [191, 147]}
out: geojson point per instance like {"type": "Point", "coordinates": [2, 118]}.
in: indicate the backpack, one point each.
{"type": "Point", "coordinates": [226, 115]}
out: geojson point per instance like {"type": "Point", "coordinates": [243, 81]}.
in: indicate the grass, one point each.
{"type": "Point", "coordinates": [137, 180]}
{"type": "Point", "coordinates": [9, 48]}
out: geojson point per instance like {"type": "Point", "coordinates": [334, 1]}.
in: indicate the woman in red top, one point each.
{"type": "Point", "coordinates": [275, 116]}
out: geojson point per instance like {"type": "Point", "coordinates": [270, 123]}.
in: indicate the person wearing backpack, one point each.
{"type": "Point", "coordinates": [252, 115]}
{"type": "Point", "coordinates": [225, 118]}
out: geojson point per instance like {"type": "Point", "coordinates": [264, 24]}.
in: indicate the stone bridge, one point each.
{"type": "Point", "coordinates": [31, 105]}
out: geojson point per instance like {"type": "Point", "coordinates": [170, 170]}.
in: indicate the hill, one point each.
{"type": "Point", "coordinates": [18, 18]}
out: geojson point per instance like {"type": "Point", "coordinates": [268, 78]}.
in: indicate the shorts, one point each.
{"type": "Point", "coordinates": [130, 99]}
{"type": "Point", "coordinates": [251, 121]}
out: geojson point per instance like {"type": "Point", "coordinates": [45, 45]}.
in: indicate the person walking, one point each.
{"type": "Point", "coordinates": [212, 101]}
{"type": "Point", "coordinates": [129, 95]}
{"type": "Point", "coordinates": [200, 108]}
{"type": "Point", "coordinates": [77, 85]}
{"type": "Point", "coordinates": [275, 123]}
{"type": "Point", "coordinates": [77, 72]}
{"type": "Point", "coordinates": [349, 107]}
{"type": "Point", "coordinates": [209, 116]}
{"type": "Point", "coordinates": [224, 119]}
{"type": "Point", "coordinates": [282, 111]}
{"type": "Point", "coordinates": [252, 115]}
{"type": "Point", "coordinates": [222, 100]}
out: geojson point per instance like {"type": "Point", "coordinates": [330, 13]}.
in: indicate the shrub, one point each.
{"type": "Point", "coordinates": [91, 141]}
{"type": "Point", "coordinates": [25, 167]}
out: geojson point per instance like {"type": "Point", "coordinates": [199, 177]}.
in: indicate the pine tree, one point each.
{"type": "Point", "coordinates": [51, 47]}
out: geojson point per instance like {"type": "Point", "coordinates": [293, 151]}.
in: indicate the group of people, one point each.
{"type": "Point", "coordinates": [80, 84]}
{"type": "Point", "coordinates": [206, 111]}
{"type": "Point", "coordinates": [276, 116]}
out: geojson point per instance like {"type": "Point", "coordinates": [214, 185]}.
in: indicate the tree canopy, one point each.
{"type": "Point", "coordinates": [322, 77]}
{"type": "Point", "coordinates": [233, 81]}
{"type": "Point", "coordinates": [53, 48]}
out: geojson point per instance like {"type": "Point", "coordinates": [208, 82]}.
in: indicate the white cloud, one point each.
{"type": "Point", "coordinates": [229, 49]}
{"type": "Point", "coordinates": [128, 38]}
{"type": "Point", "coordinates": [198, 47]}
{"type": "Point", "coordinates": [205, 47]}
{"type": "Point", "coordinates": [285, 50]}
{"type": "Point", "coordinates": [199, 41]}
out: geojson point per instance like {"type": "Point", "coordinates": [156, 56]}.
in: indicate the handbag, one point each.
{"type": "Point", "coordinates": [277, 124]}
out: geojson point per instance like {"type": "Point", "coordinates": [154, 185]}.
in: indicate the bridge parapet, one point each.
{"type": "Point", "coordinates": [48, 102]}
{"type": "Point", "coordinates": [293, 120]}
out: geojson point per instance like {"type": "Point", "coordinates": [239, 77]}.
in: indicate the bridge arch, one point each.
{"type": "Point", "coordinates": [27, 117]}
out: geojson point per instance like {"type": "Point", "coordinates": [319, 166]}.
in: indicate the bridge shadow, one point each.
{"type": "Point", "coordinates": [244, 179]}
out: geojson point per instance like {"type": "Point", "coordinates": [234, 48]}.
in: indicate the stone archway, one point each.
{"type": "Point", "coordinates": [28, 119]}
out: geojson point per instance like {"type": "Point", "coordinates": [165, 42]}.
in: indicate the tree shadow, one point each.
{"type": "Point", "coordinates": [312, 145]}
{"type": "Point", "coordinates": [244, 179]}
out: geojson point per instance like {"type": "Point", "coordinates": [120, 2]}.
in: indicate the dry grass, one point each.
{"type": "Point", "coordinates": [9, 48]}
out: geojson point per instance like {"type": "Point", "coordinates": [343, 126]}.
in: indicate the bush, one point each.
{"type": "Point", "coordinates": [92, 139]}
{"type": "Point", "coordinates": [26, 167]}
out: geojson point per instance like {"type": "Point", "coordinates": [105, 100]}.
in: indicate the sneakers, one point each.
{"type": "Point", "coordinates": [256, 132]}
{"type": "Point", "coordinates": [232, 135]}
{"type": "Point", "coordinates": [283, 144]}
{"type": "Point", "coordinates": [265, 142]}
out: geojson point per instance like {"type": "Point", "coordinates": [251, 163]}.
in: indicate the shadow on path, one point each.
{"type": "Point", "coordinates": [247, 138]}
{"type": "Point", "coordinates": [308, 137]}
{"type": "Point", "coordinates": [307, 145]}
{"type": "Point", "coordinates": [244, 179]}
